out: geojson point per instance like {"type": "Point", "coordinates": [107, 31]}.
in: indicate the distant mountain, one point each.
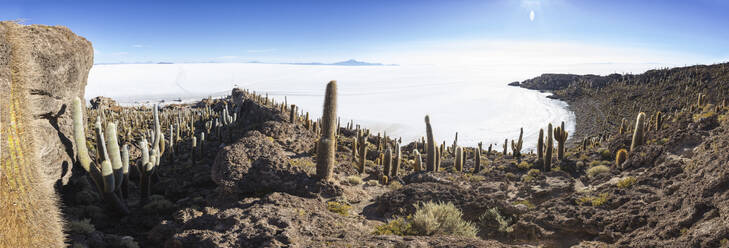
{"type": "Point", "coordinates": [350, 62]}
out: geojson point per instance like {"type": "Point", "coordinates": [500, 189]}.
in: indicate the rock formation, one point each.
{"type": "Point", "coordinates": [41, 69]}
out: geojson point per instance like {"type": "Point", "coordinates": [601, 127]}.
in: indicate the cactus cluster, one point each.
{"type": "Point", "coordinates": [560, 134]}
{"type": "Point", "coordinates": [516, 146]}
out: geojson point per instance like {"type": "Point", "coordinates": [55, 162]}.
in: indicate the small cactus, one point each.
{"type": "Point", "coordinates": [620, 157]}
{"type": "Point", "coordinates": [459, 158]}
{"type": "Point", "coordinates": [418, 161]}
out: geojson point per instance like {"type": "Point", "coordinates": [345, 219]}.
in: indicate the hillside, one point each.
{"type": "Point", "coordinates": [253, 181]}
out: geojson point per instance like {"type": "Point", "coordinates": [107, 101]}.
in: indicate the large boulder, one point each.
{"type": "Point", "coordinates": [41, 69]}
{"type": "Point", "coordinates": [52, 65]}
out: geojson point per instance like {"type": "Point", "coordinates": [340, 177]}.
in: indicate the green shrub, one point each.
{"type": "Point", "coordinates": [595, 201]}
{"type": "Point", "coordinates": [339, 207]}
{"type": "Point", "coordinates": [400, 226]}
{"type": "Point", "coordinates": [605, 154]}
{"type": "Point", "coordinates": [597, 170]}
{"type": "Point", "coordinates": [492, 220]}
{"type": "Point", "coordinates": [441, 219]}
{"type": "Point", "coordinates": [524, 165]}
{"type": "Point", "coordinates": [525, 202]}
{"type": "Point", "coordinates": [626, 182]}
{"type": "Point", "coordinates": [354, 180]}
{"type": "Point", "coordinates": [531, 175]}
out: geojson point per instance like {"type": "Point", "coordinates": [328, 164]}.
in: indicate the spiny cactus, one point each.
{"type": "Point", "coordinates": [560, 134]}
{"type": "Point", "coordinates": [396, 163]}
{"type": "Point", "coordinates": [459, 158]}
{"type": "Point", "coordinates": [516, 146]}
{"type": "Point", "coordinates": [540, 148]}
{"type": "Point", "coordinates": [418, 161]}
{"type": "Point", "coordinates": [437, 160]}
{"type": "Point", "coordinates": [623, 126]}
{"type": "Point", "coordinates": [658, 121]}
{"type": "Point", "coordinates": [431, 163]}
{"type": "Point", "coordinates": [292, 114]}
{"type": "Point", "coordinates": [328, 143]}
{"type": "Point", "coordinates": [101, 171]}
{"type": "Point", "coordinates": [363, 155]}
{"type": "Point", "coordinates": [548, 149]}
{"type": "Point", "coordinates": [387, 163]}
{"type": "Point", "coordinates": [194, 149]}
{"type": "Point", "coordinates": [477, 160]}
{"type": "Point", "coordinates": [506, 145]}
{"type": "Point", "coordinates": [620, 157]}
{"type": "Point", "coordinates": [638, 134]}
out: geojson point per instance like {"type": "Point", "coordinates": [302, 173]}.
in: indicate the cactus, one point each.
{"type": "Point", "coordinates": [516, 146]}
{"type": "Point", "coordinates": [431, 163]}
{"type": "Point", "coordinates": [540, 148]}
{"type": "Point", "coordinates": [194, 148]}
{"type": "Point", "coordinates": [362, 154]}
{"type": "Point", "coordinates": [638, 134]}
{"type": "Point", "coordinates": [620, 157]}
{"type": "Point", "coordinates": [623, 126]}
{"type": "Point", "coordinates": [125, 171]}
{"type": "Point", "coordinates": [659, 121]}
{"type": "Point", "coordinates": [548, 149]}
{"type": "Point", "coordinates": [387, 163]}
{"type": "Point", "coordinates": [354, 146]}
{"type": "Point", "coordinates": [560, 134]}
{"type": "Point", "coordinates": [459, 158]}
{"type": "Point", "coordinates": [328, 143]}
{"type": "Point", "coordinates": [396, 163]}
{"type": "Point", "coordinates": [418, 161]}
{"type": "Point", "coordinates": [292, 114]}
{"type": "Point", "coordinates": [477, 159]}
{"type": "Point", "coordinates": [385, 180]}
{"type": "Point", "coordinates": [105, 173]}
{"type": "Point", "coordinates": [506, 145]}
{"type": "Point", "coordinates": [437, 160]}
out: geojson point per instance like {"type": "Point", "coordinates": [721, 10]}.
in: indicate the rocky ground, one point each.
{"type": "Point", "coordinates": [259, 189]}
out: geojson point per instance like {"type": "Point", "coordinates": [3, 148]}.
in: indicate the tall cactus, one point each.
{"type": "Point", "coordinates": [396, 163]}
{"type": "Point", "coordinates": [506, 145]}
{"type": "Point", "coordinates": [638, 132]}
{"type": "Point", "coordinates": [516, 146]}
{"type": "Point", "coordinates": [328, 142]}
{"type": "Point", "coordinates": [548, 149]}
{"type": "Point", "coordinates": [477, 159]}
{"type": "Point", "coordinates": [459, 158]}
{"type": "Point", "coordinates": [104, 174]}
{"type": "Point", "coordinates": [387, 163]}
{"type": "Point", "coordinates": [431, 163]}
{"type": "Point", "coordinates": [362, 154]}
{"type": "Point", "coordinates": [560, 134]}
{"type": "Point", "coordinates": [540, 148]}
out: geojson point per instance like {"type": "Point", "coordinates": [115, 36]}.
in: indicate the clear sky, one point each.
{"type": "Point", "coordinates": [390, 31]}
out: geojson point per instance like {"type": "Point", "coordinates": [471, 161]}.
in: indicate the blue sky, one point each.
{"type": "Point", "coordinates": [388, 31]}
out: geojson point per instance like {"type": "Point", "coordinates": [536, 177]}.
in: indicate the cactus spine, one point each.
{"type": "Point", "coordinates": [638, 134]}
{"type": "Point", "coordinates": [548, 149]}
{"type": "Point", "coordinates": [328, 142]}
{"type": "Point", "coordinates": [560, 134]}
{"type": "Point", "coordinates": [431, 163]}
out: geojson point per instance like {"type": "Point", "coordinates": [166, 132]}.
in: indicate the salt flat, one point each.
{"type": "Point", "coordinates": [475, 102]}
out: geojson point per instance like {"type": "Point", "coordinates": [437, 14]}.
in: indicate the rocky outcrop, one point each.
{"type": "Point", "coordinates": [42, 69]}
{"type": "Point", "coordinates": [51, 64]}
{"type": "Point", "coordinates": [101, 102]}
